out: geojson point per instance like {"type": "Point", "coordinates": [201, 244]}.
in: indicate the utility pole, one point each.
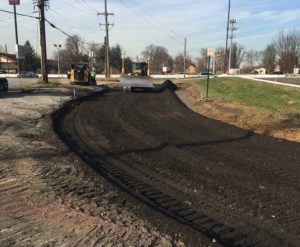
{"type": "Point", "coordinates": [232, 29]}
{"type": "Point", "coordinates": [106, 14]}
{"type": "Point", "coordinates": [17, 39]}
{"type": "Point", "coordinates": [123, 63]}
{"type": "Point", "coordinates": [41, 4]}
{"type": "Point", "coordinates": [227, 31]}
{"type": "Point", "coordinates": [14, 3]}
{"type": "Point", "coordinates": [184, 58]}
{"type": "Point", "coordinates": [7, 64]}
{"type": "Point", "coordinates": [58, 46]}
{"type": "Point", "coordinates": [209, 54]}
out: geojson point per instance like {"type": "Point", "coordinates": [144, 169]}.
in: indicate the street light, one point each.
{"type": "Point", "coordinates": [58, 46]}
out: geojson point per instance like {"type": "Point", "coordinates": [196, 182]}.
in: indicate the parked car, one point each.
{"type": "Point", "coordinates": [3, 86]}
{"type": "Point", "coordinates": [205, 74]}
{"type": "Point", "coordinates": [276, 73]}
{"type": "Point", "coordinates": [27, 74]}
{"type": "Point", "coordinates": [180, 75]}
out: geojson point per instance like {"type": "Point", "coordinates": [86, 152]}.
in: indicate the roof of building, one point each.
{"type": "Point", "coordinates": [9, 56]}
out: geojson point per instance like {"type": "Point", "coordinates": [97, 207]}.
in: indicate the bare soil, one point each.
{"type": "Point", "coordinates": [50, 197]}
{"type": "Point", "coordinates": [246, 117]}
{"type": "Point", "coordinates": [229, 183]}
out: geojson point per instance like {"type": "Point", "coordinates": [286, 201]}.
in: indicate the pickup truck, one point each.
{"type": "Point", "coordinates": [3, 86]}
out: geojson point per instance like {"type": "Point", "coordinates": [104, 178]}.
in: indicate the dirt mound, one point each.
{"type": "Point", "coordinates": [168, 84]}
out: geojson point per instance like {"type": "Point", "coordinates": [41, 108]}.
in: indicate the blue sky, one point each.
{"type": "Point", "coordinates": [138, 23]}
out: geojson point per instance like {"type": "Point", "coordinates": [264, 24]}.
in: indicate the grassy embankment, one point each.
{"type": "Point", "coordinates": [266, 97]}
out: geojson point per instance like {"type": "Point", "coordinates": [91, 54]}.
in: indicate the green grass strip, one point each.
{"type": "Point", "coordinates": [267, 97]}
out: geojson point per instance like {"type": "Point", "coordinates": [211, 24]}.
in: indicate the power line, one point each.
{"type": "Point", "coordinates": [87, 4]}
{"type": "Point", "coordinates": [69, 35]}
{"type": "Point", "coordinates": [67, 18]}
{"type": "Point", "coordinates": [142, 17]}
{"type": "Point", "coordinates": [38, 18]}
{"type": "Point", "coordinates": [86, 9]}
{"type": "Point", "coordinates": [155, 18]}
{"type": "Point", "coordinates": [24, 15]}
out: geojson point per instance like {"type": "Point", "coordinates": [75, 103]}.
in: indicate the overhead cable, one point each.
{"type": "Point", "coordinates": [10, 12]}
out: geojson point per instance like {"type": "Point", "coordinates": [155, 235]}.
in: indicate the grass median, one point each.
{"type": "Point", "coordinates": [270, 98]}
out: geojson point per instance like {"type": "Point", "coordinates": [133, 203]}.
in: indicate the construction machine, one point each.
{"type": "Point", "coordinates": [80, 74]}
{"type": "Point", "coordinates": [139, 79]}
{"type": "Point", "coordinates": [3, 86]}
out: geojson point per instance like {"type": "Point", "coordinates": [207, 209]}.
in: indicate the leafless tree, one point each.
{"type": "Point", "coordinates": [179, 62]}
{"type": "Point", "coordinates": [268, 57]}
{"type": "Point", "coordinates": [202, 60]}
{"type": "Point", "coordinates": [74, 52]}
{"type": "Point", "coordinates": [252, 59]}
{"type": "Point", "coordinates": [158, 57]}
{"type": "Point", "coordinates": [75, 47]}
{"type": "Point", "coordinates": [237, 55]}
{"type": "Point", "coordinates": [219, 60]}
{"type": "Point", "coordinates": [287, 46]}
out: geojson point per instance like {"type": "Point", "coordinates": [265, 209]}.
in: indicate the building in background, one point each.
{"type": "Point", "coordinates": [8, 63]}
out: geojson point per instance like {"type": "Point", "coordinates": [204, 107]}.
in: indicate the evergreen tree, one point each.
{"type": "Point", "coordinates": [30, 62]}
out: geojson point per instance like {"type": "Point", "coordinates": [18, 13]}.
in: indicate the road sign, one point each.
{"type": "Point", "coordinates": [210, 52]}
{"type": "Point", "coordinates": [14, 2]}
{"type": "Point", "coordinates": [20, 52]}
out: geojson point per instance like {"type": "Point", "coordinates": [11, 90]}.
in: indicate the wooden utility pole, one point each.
{"type": "Point", "coordinates": [184, 58]}
{"type": "Point", "coordinates": [41, 5]}
{"type": "Point", "coordinates": [106, 58]}
{"type": "Point", "coordinates": [106, 14]}
{"type": "Point", "coordinates": [227, 31]}
{"type": "Point", "coordinates": [107, 71]}
{"type": "Point", "coordinates": [7, 64]}
{"type": "Point", "coordinates": [14, 3]}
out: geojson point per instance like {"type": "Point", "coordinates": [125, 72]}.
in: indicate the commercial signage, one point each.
{"type": "Point", "coordinates": [210, 52]}
{"type": "Point", "coordinates": [14, 2]}
{"type": "Point", "coordinates": [20, 52]}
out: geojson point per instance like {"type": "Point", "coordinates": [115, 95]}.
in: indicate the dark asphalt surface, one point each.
{"type": "Point", "coordinates": [294, 81]}
{"type": "Point", "coordinates": [245, 186]}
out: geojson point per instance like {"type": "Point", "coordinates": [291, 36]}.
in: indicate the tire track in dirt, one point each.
{"type": "Point", "coordinates": [48, 197]}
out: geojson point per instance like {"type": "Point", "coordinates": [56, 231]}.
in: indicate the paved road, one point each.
{"type": "Point", "coordinates": [280, 80]}
{"type": "Point", "coordinates": [294, 81]}
{"type": "Point", "coordinates": [238, 187]}
{"type": "Point", "coordinates": [21, 82]}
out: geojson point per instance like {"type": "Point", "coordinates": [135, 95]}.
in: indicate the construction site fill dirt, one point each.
{"type": "Point", "coordinates": [49, 197]}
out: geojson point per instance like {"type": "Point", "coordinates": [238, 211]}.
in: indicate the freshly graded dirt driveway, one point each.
{"type": "Point", "coordinates": [49, 197]}
{"type": "Point", "coordinates": [228, 183]}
